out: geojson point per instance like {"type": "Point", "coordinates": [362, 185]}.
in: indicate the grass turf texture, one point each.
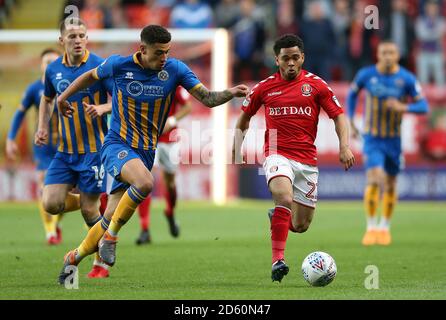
{"type": "Point", "coordinates": [224, 253]}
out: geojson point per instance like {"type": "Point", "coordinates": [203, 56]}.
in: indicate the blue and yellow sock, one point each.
{"type": "Point", "coordinates": [124, 211]}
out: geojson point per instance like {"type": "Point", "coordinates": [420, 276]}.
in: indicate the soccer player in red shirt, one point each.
{"type": "Point", "coordinates": [165, 158]}
{"type": "Point", "coordinates": [292, 99]}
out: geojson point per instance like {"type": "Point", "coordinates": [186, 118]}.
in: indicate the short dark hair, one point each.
{"type": "Point", "coordinates": [288, 41]}
{"type": "Point", "coordinates": [155, 34]}
{"type": "Point", "coordinates": [49, 50]}
{"type": "Point", "coordinates": [71, 21]}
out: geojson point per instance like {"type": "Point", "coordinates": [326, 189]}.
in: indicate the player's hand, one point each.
{"type": "Point", "coordinates": [395, 105]}
{"type": "Point", "coordinates": [11, 149]}
{"type": "Point", "coordinates": [239, 91]}
{"type": "Point", "coordinates": [41, 136]}
{"type": "Point", "coordinates": [65, 108]}
{"type": "Point", "coordinates": [93, 110]}
{"type": "Point", "coordinates": [346, 157]}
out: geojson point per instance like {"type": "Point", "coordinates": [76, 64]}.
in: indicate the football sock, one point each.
{"type": "Point", "coordinates": [144, 213]}
{"type": "Point", "coordinates": [389, 201]}
{"type": "Point", "coordinates": [125, 209]}
{"type": "Point", "coordinates": [48, 221]}
{"type": "Point", "coordinates": [72, 202]}
{"type": "Point", "coordinates": [280, 223]}
{"type": "Point", "coordinates": [171, 199]}
{"type": "Point", "coordinates": [371, 200]}
{"type": "Point", "coordinates": [90, 243]}
{"type": "Point", "coordinates": [103, 203]}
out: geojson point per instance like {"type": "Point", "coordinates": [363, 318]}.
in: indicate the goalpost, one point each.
{"type": "Point", "coordinates": [219, 39]}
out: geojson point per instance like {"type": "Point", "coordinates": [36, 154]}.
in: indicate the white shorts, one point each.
{"type": "Point", "coordinates": [167, 157]}
{"type": "Point", "coordinates": [109, 181]}
{"type": "Point", "coordinates": [303, 177]}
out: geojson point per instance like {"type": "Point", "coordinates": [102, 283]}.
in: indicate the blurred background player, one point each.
{"type": "Point", "coordinates": [388, 87]}
{"type": "Point", "coordinates": [42, 154]}
{"type": "Point", "coordinates": [292, 98]}
{"type": "Point", "coordinates": [77, 161]}
{"type": "Point", "coordinates": [137, 119]}
{"type": "Point", "coordinates": [167, 158]}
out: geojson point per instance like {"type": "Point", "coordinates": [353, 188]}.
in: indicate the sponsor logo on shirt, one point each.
{"type": "Point", "coordinates": [62, 85]}
{"type": "Point", "coordinates": [285, 111]}
{"type": "Point", "coordinates": [274, 93]}
{"type": "Point", "coordinates": [136, 88]}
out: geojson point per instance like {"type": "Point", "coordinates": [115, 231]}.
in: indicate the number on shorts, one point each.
{"type": "Point", "coordinates": [310, 194]}
{"type": "Point", "coordinates": [98, 173]}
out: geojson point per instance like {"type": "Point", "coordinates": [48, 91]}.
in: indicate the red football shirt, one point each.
{"type": "Point", "coordinates": [181, 97]}
{"type": "Point", "coordinates": [292, 113]}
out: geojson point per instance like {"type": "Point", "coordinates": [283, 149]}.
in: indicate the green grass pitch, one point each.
{"type": "Point", "coordinates": [224, 253]}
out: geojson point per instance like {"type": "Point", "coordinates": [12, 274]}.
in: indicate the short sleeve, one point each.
{"type": "Point", "coordinates": [106, 68]}
{"type": "Point", "coordinates": [186, 77]}
{"type": "Point", "coordinates": [49, 90]}
{"type": "Point", "coordinates": [253, 101]}
{"type": "Point", "coordinates": [328, 101]}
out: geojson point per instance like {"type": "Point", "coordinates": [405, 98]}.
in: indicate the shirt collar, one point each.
{"type": "Point", "coordinates": [84, 58]}
{"type": "Point", "coordinates": [136, 57]}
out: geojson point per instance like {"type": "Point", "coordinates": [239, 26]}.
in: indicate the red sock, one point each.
{"type": "Point", "coordinates": [144, 213]}
{"type": "Point", "coordinates": [280, 223]}
{"type": "Point", "coordinates": [171, 199]}
{"type": "Point", "coordinates": [103, 199]}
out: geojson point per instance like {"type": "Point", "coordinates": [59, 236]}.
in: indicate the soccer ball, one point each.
{"type": "Point", "coordinates": [319, 269]}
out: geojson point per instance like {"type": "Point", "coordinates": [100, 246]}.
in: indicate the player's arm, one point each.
{"type": "Point", "coordinates": [419, 104]}
{"type": "Point", "coordinates": [345, 155]}
{"type": "Point", "coordinates": [352, 100]}
{"type": "Point", "coordinates": [45, 112]}
{"type": "Point", "coordinates": [241, 128]}
{"type": "Point", "coordinates": [215, 98]}
{"type": "Point", "coordinates": [11, 145]}
{"type": "Point", "coordinates": [84, 81]}
{"type": "Point", "coordinates": [183, 111]}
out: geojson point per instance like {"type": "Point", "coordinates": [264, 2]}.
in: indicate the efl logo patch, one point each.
{"type": "Point", "coordinates": [122, 154]}
{"type": "Point", "coordinates": [336, 101]}
{"type": "Point", "coordinates": [306, 90]}
{"type": "Point", "coordinates": [163, 75]}
{"type": "Point", "coordinates": [246, 102]}
{"type": "Point", "coordinates": [273, 169]}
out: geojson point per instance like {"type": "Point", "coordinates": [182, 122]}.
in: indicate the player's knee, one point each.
{"type": "Point", "coordinates": [301, 228]}
{"type": "Point", "coordinates": [284, 200]}
{"type": "Point", "coordinates": [145, 186]}
{"type": "Point", "coordinates": [52, 207]}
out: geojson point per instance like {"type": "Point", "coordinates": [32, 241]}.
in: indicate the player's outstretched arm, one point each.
{"type": "Point", "coordinates": [45, 112]}
{"type": "Point", "coordinates": [215, 98]}
{"type": "Point", "coordinates": [84, 81]}
{"type": "Point", "coordinates": [345, 154]}
{"type": "Point", "coordinates": [241, 128]}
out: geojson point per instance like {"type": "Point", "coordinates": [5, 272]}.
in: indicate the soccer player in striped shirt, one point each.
{"type": "Point", "coordinates": [77, 161]}
{"type": "Point", "coordinates": [42, 154]}
{"type": "Point", "coordinates": [388, 88]}
{"type": "Point", "coordinates": [144, 86]}
{"type": "Point", "coordinates": [293, 99]}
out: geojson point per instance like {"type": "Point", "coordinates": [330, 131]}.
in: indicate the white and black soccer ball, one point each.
{"type": "Point", "coordinates": [319, 269]}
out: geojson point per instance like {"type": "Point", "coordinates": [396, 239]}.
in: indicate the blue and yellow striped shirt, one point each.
{"type": "Point", "coordinates": [79, 134]}
{"type": "Point", "coordinates": [142, 97]}
{"type": "Point", "coordinates": [380, 121]}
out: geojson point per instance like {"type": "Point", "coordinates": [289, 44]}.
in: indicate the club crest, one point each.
{"type": "Point", "coordinates": [163, 75]}
{"type": "Point", "coordinates": [306, 90]}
